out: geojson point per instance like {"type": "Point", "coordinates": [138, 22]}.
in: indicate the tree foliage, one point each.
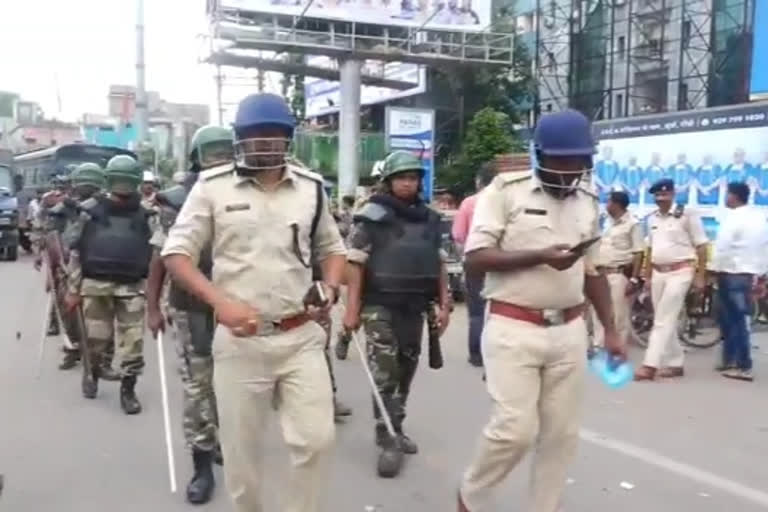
{"type": "Point", "coordinates": [489, 133]}
{"type": "Point", "coordinates": [461, 94]}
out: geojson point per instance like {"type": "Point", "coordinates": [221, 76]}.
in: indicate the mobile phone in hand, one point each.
{"type": "Point", "coordinates": [580, 248]}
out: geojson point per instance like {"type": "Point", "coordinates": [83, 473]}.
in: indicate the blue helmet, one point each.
{"type": "Point", "coordinates": [566, 133]}
{"type": "Point", "coordinates": [264, 109]}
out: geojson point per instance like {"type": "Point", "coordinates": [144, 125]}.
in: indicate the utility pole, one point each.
{"type": "Point", "coordinates": [219, 80]}
{"type": "Point", "coordinates": [142, 117]}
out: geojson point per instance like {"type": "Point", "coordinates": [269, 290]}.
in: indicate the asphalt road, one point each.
{"type": "Point", "coordinates": [696, 444]}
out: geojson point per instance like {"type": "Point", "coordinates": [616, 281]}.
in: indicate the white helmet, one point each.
{"type": "Point", "coordinates": [148, 177]}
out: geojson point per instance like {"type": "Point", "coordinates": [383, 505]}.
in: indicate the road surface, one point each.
{"type": "Point", "coordinates": [696, 444]}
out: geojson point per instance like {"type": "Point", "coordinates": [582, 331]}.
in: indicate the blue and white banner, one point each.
{"type": "Point", "coordinates": [413, 130]}
{"type": "Point", "coordinates": [701, 150]}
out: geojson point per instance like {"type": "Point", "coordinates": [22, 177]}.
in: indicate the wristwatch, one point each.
{"type": "Point", "coordinates": [634, 280]}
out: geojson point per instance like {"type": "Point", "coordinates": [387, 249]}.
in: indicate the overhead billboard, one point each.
{"type": "Point", "coordinates": [700, 150]}
{"type": "Point", "coordinates": [413, 129]}
{"type": "Point", "coordinates": [324, 96]}
{"type": "Point", "coordinates": [464, 15]}
{"type": "Point", "coordinates": [759, 80]}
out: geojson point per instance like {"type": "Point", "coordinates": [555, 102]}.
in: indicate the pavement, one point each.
{"type": "Point", "coordinates": [693, 444]}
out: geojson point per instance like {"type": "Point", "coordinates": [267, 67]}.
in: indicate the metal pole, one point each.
{"type": "Point", "coordinates": [166, 413]}
{"type": "Point", "coordinates": [349, 126]}
{"type": "Point", "coordinates": [218, 95]}
{"type": "Point", "coordinates": [141, 93]}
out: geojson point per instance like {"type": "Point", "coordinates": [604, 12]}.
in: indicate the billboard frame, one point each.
{"type": "Point", "coordinates": [429, 177]}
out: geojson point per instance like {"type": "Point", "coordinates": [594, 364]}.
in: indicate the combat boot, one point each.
{"type": "Point", "coordinates": [106, 372]}
{"type": "Point", "coordinates": [128, 400]}
{"type": "Point", "coordinates": [218, 455]}
{"type": "Point", "coordinates": [390, 459]}
{"type": "Point", "coordinates": [342, 346]}
{"type": "Point", "coordinates": [90, 383]}
{"type": "Point", "coordinates": [406, 444]}
{"type": "Point", "coordinates": [201, 486]}
{"type": "Point", "coordinates": [71, 357]}
{"type": "Point", "coordinates": [340, 410]}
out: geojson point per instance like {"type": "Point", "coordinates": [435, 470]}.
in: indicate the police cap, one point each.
{"type": "Point", "coordinates": [665, 185]}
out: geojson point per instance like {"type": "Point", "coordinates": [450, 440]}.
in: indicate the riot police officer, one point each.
{"type": "Point", "coordinates": [87, 179]}
{"type": "Point", "coordinates": [191, 317]}
{"type": "Point", "coordinates": [395, 270]}
{"type": "Point", "coordinates": [265, 218]}
{"type": "Point", "coordinates": [108, 266]}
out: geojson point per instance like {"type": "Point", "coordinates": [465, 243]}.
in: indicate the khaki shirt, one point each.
{"type": "Point", "coordinates": [250, 230]}
{"type": "Point", "coordinates": [514, 213]}
{"type": "Point", "coordinates": [673, 239]}
{"type": "Point", "coordinates": [620, 242]}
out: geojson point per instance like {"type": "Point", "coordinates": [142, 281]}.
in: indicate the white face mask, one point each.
{"type": "Point", "coordinates": [261, 153]}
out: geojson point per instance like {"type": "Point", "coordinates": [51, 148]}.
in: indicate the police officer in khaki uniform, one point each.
{"type": "Point", "coordinates": [620, 260]}
{"type": "Point", "coordinates": [530, 235]}
{"type": "Point", "coordinates": [266, 347]}
{"type": "Point", "coordinates": [678, 259]}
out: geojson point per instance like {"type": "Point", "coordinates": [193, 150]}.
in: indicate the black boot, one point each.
{"type": "Point", "coordinates": [128, 400]}
{"type": "Point", "coordinates": [201, 486]}
{"type": "Point", "coordinates": [106, 372]}
{"type": "Point", "coordinates": [71, 357]}
{"type": "Point", "coordinates": [406, 444]}
{"type": "Point", "coordinates": [218, 455]}
{"type": "Point", "coordinates": [390, 459]}
{"type": "Point", "coordinates": [90, 384]}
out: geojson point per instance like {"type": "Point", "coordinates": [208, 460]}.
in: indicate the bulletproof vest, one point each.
{"type": "Point", "coordinates": [404, 264]}
{"type": "Point", "coordinates": [172, 200]}
{"type": "Point", "coordinates": [114, 245]}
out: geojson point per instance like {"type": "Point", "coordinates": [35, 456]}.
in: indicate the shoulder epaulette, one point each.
{"type": "Point", "coordinates": [306, 173]}
{"type": "Point", "coordinates": [507, 178]}
{"type": "Point", "coordinates": [216, 172]}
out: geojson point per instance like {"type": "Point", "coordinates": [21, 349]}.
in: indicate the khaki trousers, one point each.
{"type": "Point", "coordinates": [535, 376]}
{"type": "Point", "coordinates": [668, 292]}
{"type": "Point", "coordinates": [290, 369]}
{"type": "Point", "coordinates": [621, 310]}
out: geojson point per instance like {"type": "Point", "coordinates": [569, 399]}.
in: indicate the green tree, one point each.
{"type": "Point", "coordinates": [489, 133]}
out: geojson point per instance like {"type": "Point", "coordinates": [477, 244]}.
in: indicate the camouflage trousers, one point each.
{"type": "Point", "coordinates": [393, 346]}
{"type": "Point", "coordinates": [108, 318]}
{"type": "Point", "coordinates": [325, 323]}
{"type": "Point", "coordinates": [194, 337]}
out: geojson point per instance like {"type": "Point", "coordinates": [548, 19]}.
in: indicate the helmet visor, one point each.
{"type": "Point", "coordinates": [216, 153]}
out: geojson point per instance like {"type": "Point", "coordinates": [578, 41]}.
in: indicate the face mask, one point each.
{"type": "Point", "coordinates": [261, 154]}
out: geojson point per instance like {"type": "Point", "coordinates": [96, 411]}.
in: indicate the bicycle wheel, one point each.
{"type": "Point", "coordinates": [700, 332]}
{"type": "Point", "coordinates": [641, 321]}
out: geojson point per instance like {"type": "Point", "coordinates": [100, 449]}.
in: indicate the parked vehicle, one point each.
{"type": "Point", "coordinates": [454, 264]}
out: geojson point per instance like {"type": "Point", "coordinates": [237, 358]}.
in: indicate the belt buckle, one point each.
{"type": "Point", "coordinates": [553, 317]}
{"type": "Point", "coordinates": [269, 328]}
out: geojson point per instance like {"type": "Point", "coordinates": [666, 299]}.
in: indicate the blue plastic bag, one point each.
{"type": "Point", "coordinates": [614, 374]}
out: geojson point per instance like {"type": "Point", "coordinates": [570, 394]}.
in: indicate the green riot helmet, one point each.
{"type": "Point", "coordinates": [123, 175]}
{"type": "Point", "coordinates": [211, 146]}
{"type": "Point", "coordinates": [399, 162]}
{"type": "Point", "coordinates": [88, 175]}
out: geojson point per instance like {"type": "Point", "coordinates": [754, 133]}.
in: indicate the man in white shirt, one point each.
{"type": "Point", "coordinates": [739, 259]}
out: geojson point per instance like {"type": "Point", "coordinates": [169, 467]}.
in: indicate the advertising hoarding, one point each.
{"type": "Point", "coordinates": [413, 129]}
{"type": "Point", "coordinates": [464, 15]}
{"type": "Point", "coordinates": [324, 96]}
{"type": "Point", "coordinates": [701, 150]}
{"type": "Point", "coordinates": [759, 79]}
